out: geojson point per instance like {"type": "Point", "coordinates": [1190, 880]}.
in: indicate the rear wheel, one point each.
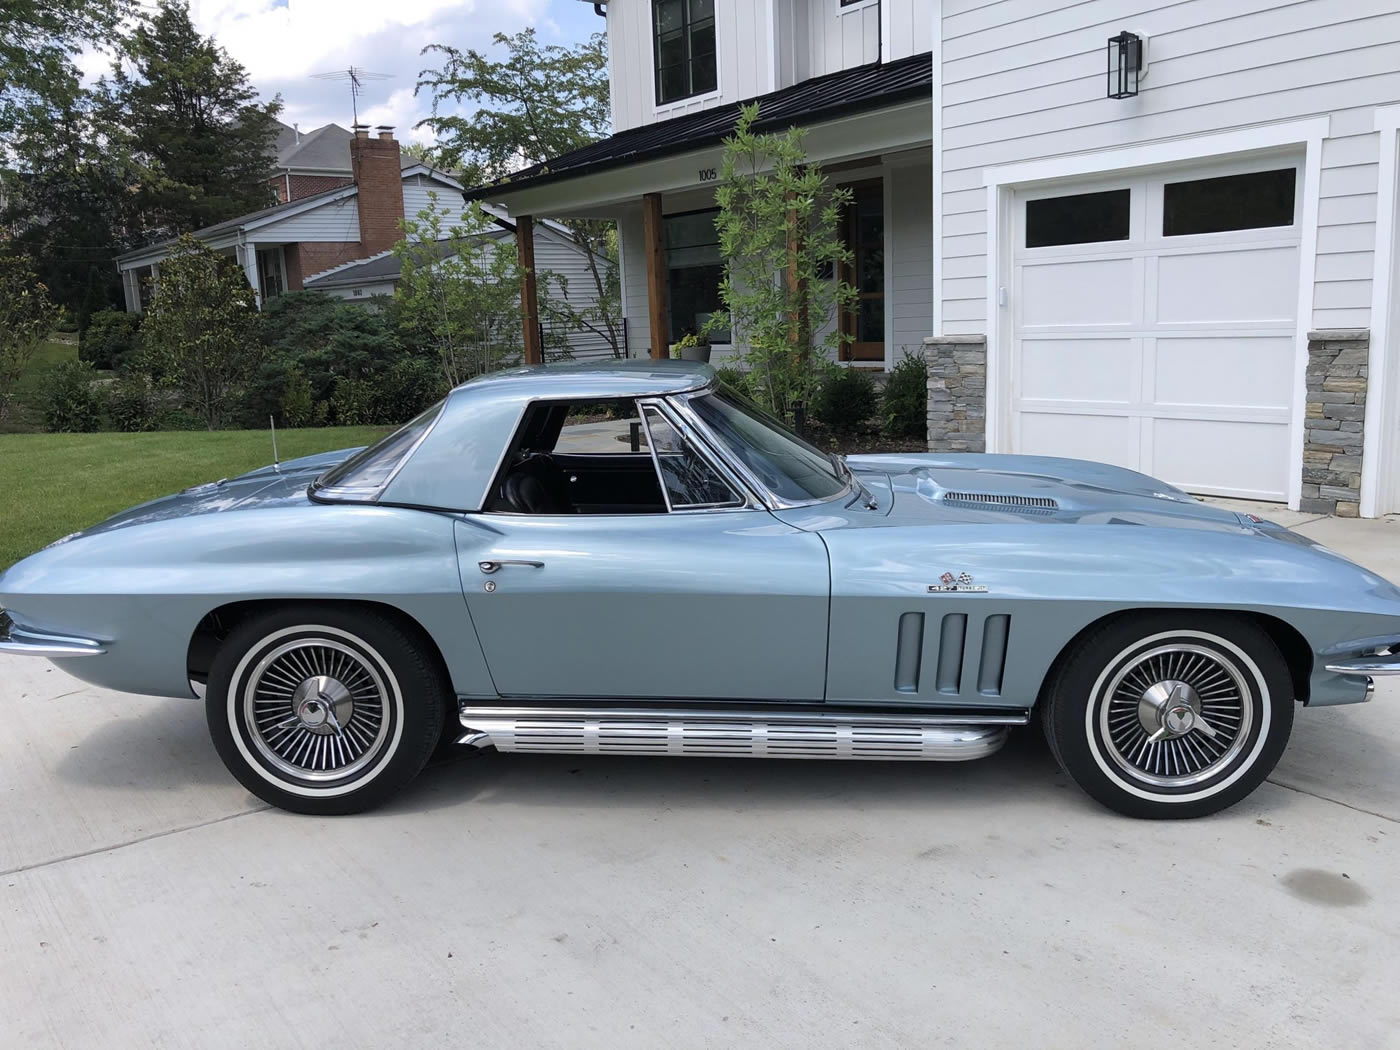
{"type": "Point", "coordinates": [323, 710]}
{"type": "Point", "coordinates": [1171, 715]}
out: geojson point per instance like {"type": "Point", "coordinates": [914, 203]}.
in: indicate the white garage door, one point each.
{"type": "Point", "coordinates": [1155, 324]}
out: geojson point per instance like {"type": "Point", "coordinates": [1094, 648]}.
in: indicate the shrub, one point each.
{"type": "Point", "coordinates": [731, 376]}
{"type": "Point", "coordinates": [130, 405]}
{"type": "Point", "coordinates": [297, 402]}
{"type": "Point", "coordinates": [71, 406]}
{"type": "Point", "coordinates": [409, 386]}
{"type": "Point", "coordinates": [172, 418]}
{"type": "Point", "coordinates": [905, 410]}
{"type": "Point", "coordinates": [67, 322]}
{"type": "Point", "coordinates": [353, 402]}
{"type": "Point", "coordinates": [110, 338]}
{"type": "Point", "coordinates": [846, 398]}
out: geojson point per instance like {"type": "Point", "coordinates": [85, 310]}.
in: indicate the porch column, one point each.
{"type": "Point", "coordinates": [656, 275]}
{"type": "Point", "coordinates": [529, 293]}
{"type": "Point", "coordinates": [248, 259]}
{"type": "Point", "coordinates": [132, 290]}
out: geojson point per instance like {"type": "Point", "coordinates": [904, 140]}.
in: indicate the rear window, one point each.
{"type": "Point", "coordinates": [365, 473]}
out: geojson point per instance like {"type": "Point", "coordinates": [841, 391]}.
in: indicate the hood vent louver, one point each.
{"type": "Point", "coordinates": [996, 499]}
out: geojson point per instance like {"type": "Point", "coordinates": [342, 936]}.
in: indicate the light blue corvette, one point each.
{"type": "Point", "coordinates": [624, 559]}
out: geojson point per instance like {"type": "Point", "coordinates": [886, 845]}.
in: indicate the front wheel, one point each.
{"type": "Point", "coordinates": [324, 710]}
{"type": "Point", "coordinates": [1171, 715]}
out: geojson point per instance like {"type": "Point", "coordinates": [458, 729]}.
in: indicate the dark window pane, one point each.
{"type": "Point", "coordinates": [703, 74]}
{"type": "Point", "coordinates": [668, 15]}
{"type": "Point", "coordinates": [870, 321]}
{"type": "Point", "coordinates": [701, 9]}
{"type": "Point", "coordinates": [872, 270]}
{"type": "Point", "coordinates": [1233, 202]}
{"type": "Point", "coordinates": [702, 40]}
{"type": "Point", "coordinates": [1080, 218]}
{"type": "Point", "coordinates": [688, 231]}
{"type": "Point", "coordinates": [671, 50]}
{"type": "Point", "coordinates": [672, 83]}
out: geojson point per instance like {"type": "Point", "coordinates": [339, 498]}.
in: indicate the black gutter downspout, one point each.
{"type": "Point", "coordinates": [598, 10]}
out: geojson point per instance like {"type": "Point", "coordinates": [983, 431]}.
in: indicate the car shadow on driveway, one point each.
{"type": "Point", "coordinates": [157, 743]}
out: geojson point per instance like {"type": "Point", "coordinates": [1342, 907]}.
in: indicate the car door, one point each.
{"type": "Point", "coordinates": [710, 597]}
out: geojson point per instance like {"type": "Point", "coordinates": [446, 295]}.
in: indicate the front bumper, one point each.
{"type": "Point", "coordinates": [18, 640]}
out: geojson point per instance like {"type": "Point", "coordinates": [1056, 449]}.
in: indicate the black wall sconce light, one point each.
{"type": "Point", "coordinates": [1124, 64]}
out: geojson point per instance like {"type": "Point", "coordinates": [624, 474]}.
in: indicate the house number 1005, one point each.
{"type": "Point", "coordinates": [708, 174]}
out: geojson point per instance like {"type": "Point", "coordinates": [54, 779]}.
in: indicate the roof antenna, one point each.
{"type": "Point", "coordinates": [276, 460]}
{"type": "Point", "coordinates": [356, 78]}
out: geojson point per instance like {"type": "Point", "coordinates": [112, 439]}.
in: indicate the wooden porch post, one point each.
{"type": "Point", "coordinates": [529, 294]}
{"type": "Point", "coordinates": [656, 275]}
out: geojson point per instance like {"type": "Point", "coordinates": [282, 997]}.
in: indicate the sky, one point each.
{"type": "Point", "coordinates": [284, 43]}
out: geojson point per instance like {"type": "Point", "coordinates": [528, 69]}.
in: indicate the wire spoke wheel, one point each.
{"type": "Point", "coordinates": [1175, 715]}
{"type": "Point", "coordinates": [316, 709]}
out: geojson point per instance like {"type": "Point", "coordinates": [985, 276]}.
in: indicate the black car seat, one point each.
{"type": "Point", "coordinates": [536, 485]}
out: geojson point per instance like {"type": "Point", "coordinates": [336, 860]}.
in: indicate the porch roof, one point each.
{"type": "Point", "coordinates": [863, 88]}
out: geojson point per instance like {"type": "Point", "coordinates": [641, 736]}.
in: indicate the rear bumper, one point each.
{"type": "Point", "coordinates": [18, 640]}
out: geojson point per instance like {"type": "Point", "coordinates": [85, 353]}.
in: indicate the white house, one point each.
{"type": "Point", "coordinates": [1183, 266]}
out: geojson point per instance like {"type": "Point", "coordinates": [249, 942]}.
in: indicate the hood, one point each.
{"type": "Point", "coordinates": [967, 488]}
{"type": "Point", "coordinates": [269, 486]}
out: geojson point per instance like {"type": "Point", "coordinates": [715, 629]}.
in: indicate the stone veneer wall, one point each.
{"type": "Point", "coordinates": [1332, 443]}
{"type": "Point", "coordinates": [957, 393]}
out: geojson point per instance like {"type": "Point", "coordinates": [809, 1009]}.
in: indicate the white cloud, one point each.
{"type": "Point", "coordinates": [284, 43]}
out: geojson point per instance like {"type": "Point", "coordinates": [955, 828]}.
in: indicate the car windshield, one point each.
{"type": "Point", "coordinates": [364, 474]}
{"type": "Point", "coordinates": [791, 469]}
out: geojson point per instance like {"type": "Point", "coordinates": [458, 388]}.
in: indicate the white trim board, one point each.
{"type": "Point", "coordinates": [1380, 493]}
{"type": "Point", "coordinates": [937, 189]}
{"type": "Point", "coordinates": [1001, 181]}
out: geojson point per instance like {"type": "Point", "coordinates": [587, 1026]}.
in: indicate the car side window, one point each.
{"type": "Point", "coordinates": [689, 481]}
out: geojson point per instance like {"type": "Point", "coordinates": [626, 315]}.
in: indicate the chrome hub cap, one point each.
{"type": "Point", "coordinates": [316, 709]}
{"type": "Point", "coordinates": [1176, 715]}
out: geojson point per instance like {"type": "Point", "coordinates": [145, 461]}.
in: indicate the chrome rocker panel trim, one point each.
{"type": "Point", "coordinates": [17, 640]}
{"type": "Point", "coordinates": [736, 732]}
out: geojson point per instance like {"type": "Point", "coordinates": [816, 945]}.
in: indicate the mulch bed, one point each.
{"type": "Point", "coordinates": [862, 440]}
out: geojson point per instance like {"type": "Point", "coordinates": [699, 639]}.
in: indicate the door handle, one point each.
{"type": "Point", "coordinates": [489, 567]}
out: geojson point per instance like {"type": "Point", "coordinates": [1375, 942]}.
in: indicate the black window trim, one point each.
{"type": "Point", "coordinates": [689, 61]}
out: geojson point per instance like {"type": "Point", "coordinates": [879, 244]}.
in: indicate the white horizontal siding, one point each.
{"type": "Point", "coordinates": [333, 222]}
{"type": "Point", "coordinates": [909, 233]}
{"type": "Point", "coordinates": [1025, 79]}
{"type": "Point", "coordinates": [417, 193]}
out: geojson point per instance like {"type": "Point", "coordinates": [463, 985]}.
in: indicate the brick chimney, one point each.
{"type": "Point", "coordinates": [375, 163]}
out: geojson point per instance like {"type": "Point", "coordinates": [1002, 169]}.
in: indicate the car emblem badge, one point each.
{"type": "Point", "coordinates": [961, 583]}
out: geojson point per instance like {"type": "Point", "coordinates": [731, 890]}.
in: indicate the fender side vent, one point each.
{"type": "Point", "coordinates": [997, 499]}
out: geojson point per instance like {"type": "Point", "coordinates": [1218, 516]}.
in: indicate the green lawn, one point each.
{"type": "Point", "coordinates": [54, 484]}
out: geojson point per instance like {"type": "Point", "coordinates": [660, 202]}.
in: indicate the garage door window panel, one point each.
{"type": "Point", "coordinates": [1079, 218]}
{"type": "Point", "coordinates": [1251, 201]}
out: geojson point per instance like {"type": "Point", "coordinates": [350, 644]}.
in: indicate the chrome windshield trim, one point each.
{"type": "Point", "coordinates": [770, 499]}
{"type": "Point", "coordinates": [749, 498]}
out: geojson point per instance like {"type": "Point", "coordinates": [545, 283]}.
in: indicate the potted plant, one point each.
{"type": "Point", "coordinates": [692, 347]}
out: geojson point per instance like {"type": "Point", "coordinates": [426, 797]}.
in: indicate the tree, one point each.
{"type": "Point", "coordinates": [64, 203]}
{"type": "Point", "coordinates": [493, 117]}
{"type": "Point", "coordinates": [38, 41]}
{"type": "Point", "coordinates": [26, 318]}
{"type": "Point", "coordinates": [779, 231]}
{"type": "Point", "coordinates": [199, 335]}
{"type": "Point", "coordinates": [200, 141]}
{"type": "Point", "coordinates": [461, 288]}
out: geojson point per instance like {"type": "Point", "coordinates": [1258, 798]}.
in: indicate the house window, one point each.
{"type": "Point", "coordinates": [694, 272]}
{"type": "Point", "coordinates": [1078, 218]}
{"type": "Point", "coordinates": [270, 275]}
{"type": "Point", "coordinates": [865, 236]}
{"type": "Point", "coordinates": [1254, 201]}
{"type": "Point", "coordinates": [684, 34]}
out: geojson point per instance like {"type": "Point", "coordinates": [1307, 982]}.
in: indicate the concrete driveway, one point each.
{"type": "Point", "coordinates": [147, 901]}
